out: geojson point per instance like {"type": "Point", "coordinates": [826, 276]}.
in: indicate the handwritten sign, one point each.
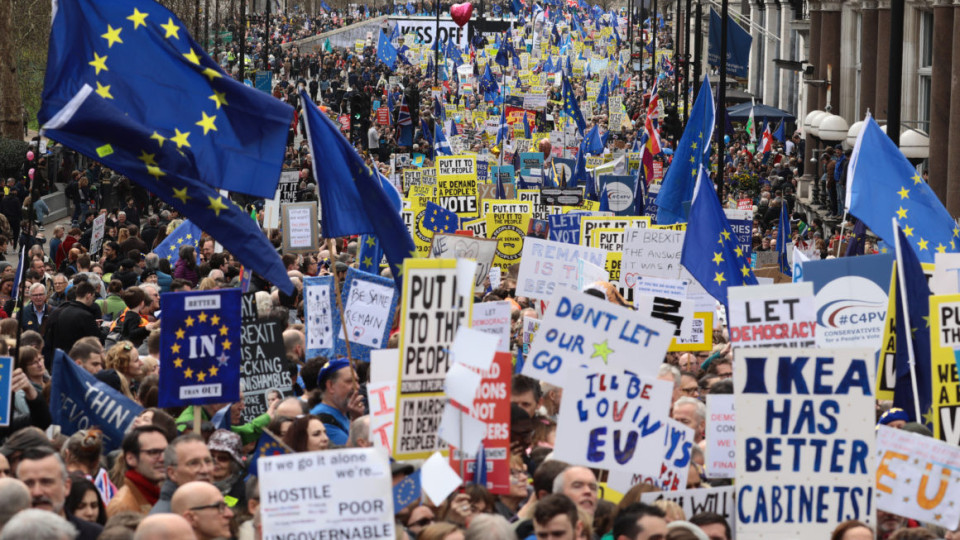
{"type": "Point", "coordinates": [320, 314]}
{"type": "Point", "coordinates": [369, 303]}
{"type": "Point", "coordinates": [455, 246]}
{"type": "Point", "coordinates": [804, 428]}
{"type": "Point", "coordinates": [493, 318]}
{"type": "Point", "coordinates": [675, 462]}
{"type": "Point", "coordinates": [783, 314]}
{"type": "Point", "coordinates": [720, 435]}
{"type": "Point", "coordinates": [300, 234]}
{"type": "Point", "coordinates": [719, 500]}
{"type": "Point", "coordinates": [264, 367]}
{"type": "Point", "coordinates": [549, 266]}
{"type": "Point", "coordinates": [651, 253]}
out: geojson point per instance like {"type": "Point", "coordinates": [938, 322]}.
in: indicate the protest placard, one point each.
{"type": "Point", "coordinates": [492, 407]}
{"type": "Point", "coordinates": [509, 230]}
{"type": "Point", "coordinates": [676, 312]}
{"type": "Point", "coordinates": [700, 336]}
{"type": "Point", "coordinates": [721, 436]}
{"type": "Point", "coordinates": [382, 397]}
{"type": "Point", "coordinates": [549, 266]}
{"type": "Point", "coordinates": [851, 299]}
{"type": "Point", "coordinates": [456, 246]}
{"type": "Point", "coordinates": [719, 500]}
{"type": "Point", "coordinates": [613, 419]}
{"type": "Point", "coordinates": [96, 237]}
{"type": "Point", "coordinates": [741, 225]}
{"type": "Point", "coordinates": [264, 368]}
{"type": "Point", "coordinates": [430, 313]}
{"type": "Point", "coordinates": [501, 206]}
{"type": "Point", "coordinates": [300, 229]}
{"type": "Point", "coordinates": [336, 493]}
{"type": "Point", "coordinates": [457, 185]}
{"type": "Point", "coordinates": [765, 315]}
{"type": "Point", "coordinates": [804, 428]}
{"type": "Point", "coordinates": [561, 196]}
{"type": "Point", "coordinates": [677, 440]}
{"type": "Point", "coordinates": [6, 397]}
{"type": "Point", "coordinates": [589, 223]}
{"type": "Point", "coordinates": [651, 252]}
{"type": "Point", "coordinates": [620, 189]}
{"type": "Point", "coordinates": [670, 288]}
{"type": "Point", "coordinates": [200, 355]}
{"type": "Point", "coordinates": [321, 318]}
{"type": "Point", "coordinates": [369, 303]}
{"type": "Point", "coordinates": [609, 240]}
{"type": "Point", "coordinates": [944, 347]}
{"type": "Point", "coordinates": [493, 318]}
{"type": "Point", "coordinates": [286, 194]}
{"type": "Point", "coordinates": [916, 477]}
{"type": "Point", "coordinates": [581, 331]}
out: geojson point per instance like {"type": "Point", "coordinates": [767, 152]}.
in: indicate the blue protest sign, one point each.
{"type": "Point", "coordinates": [320, 315]}
{"type": "Point", "coordinates": [79, 401]}
{"type": "Point", "coordinates": [620, 189]}
{"type": "Point", "coordinates": [200, 348]}
{"type": "Point", "coordinates": [369, 303]}
{"type": "Point", "coordinates": [6, 372]}
{"type": "Point", "coordinates": [741, 224]}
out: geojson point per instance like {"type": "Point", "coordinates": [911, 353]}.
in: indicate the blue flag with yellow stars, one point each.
{"type": "Point", "coordinates": [406, 492]}
{"type": "Point", "coordinates": [342, 176]}
{"type": "Point", "coordinates": [711, 251]}
{"type": "Point", "coordinates": [138, 59]}
{"type": "Point", "coordinates": [439, 219]}
{"type": "Point", "coordinates": [370, 254]}
{"type": "Point", "coordinates": [107, 112]}
{"type": "Point", "coordinates": [882, 185]}
{"type": "Point", "coordinates": [267, 446]}
{"type": "Point", "coordinates": [570, 105]}
{"type": "Point", "coordinates": [187, 234]}
{"type": "Point", "coordinates": [909, 272]}
{"type": "Point", "coordinates": [200, 348]}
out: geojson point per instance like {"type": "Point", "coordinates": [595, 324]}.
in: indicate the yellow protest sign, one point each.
{"type": "Point", "coordinates": [509, 230]}
{"type": "Point", "coordinates": [505, 206]}
{"type": "Point", "coordinates": [457, 185]}
{"type": "Point", "coordinates": [589, 223]}
{"type": "Point", "coordinates": [701, 338]}
{"type": "Point", "coordinates": [413, 217]}
{"type": "Point", "coordinates": [944, 348]}
{"type": "Point", "coordinates": [477, 226]}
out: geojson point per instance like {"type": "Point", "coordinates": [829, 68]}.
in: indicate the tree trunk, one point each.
{"type": "Point", "coordinates": [11, 116]}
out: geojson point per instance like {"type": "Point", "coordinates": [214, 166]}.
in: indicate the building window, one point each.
{"type": "Point", "coordinates": [924, 70]}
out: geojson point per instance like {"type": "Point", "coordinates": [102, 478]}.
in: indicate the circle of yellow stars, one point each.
{"type": "Point", "coordinates": [903, 214]}
{"type": "Point", "coordinates": [176, 348]}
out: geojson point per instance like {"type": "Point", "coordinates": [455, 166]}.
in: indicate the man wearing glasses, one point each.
{"type": "Point", "coordinates": [201, 504]}
{"type": "Point", "coordinates": [143, 449]}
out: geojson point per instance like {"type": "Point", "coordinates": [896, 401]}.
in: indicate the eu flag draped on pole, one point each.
{"type": "Point", "coordinates": [913, 388]}
{"type": "Point", "coordinates": [881, 184]}
{"type": "Point", "coordinates": [386, 52]}
{"type": "Point", "coordinates": [344, 177]}
{"type": "Point", "coordinates": [439, 219]}
{"type": "Point", "coordinates": [200, 348]}
{"type": "Point", "coordinates": [783, 236]}
{"type": "Point", "coordinates": [602, 95]}
{"type": "Point", "coordinates": [681, 177]}
{"type": "Point", "coordinates": [144, 100]}
{"type": "Point", "coordinates": [141, 63]}
{"type": "Point", "coordinates": [592, 143]}
{"type": "Point", "coordinates": [267, 446]}
{"type": "Point", "coordinates": [570, 105]}
{"type": "Point", "coordinates": [370, 254]}
{"type": "Point", "coordinates": [711, 252]}
{"type": "Point", "coordinates": [187, 234]}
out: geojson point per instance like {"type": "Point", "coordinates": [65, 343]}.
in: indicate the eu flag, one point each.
{"type": "Point", "coordinates": [344, 177]}
{"type": "Point", "coordinates": [386, 52]}
{"type": "Point", "coordinates": [141, 63]}
{"type": "Point", "coordinates": [711, 252]}
{"type": "Point", "coordinates": [915, 290]}
{"type": "Point", "coordinates": [602, 95]}
{"type": "Point", "coordinates": [267, 446]}
{"type": "Point", "coordinates": [570, 105]}
{"type": "Point", "coordinates": [187, 234]}
{"type": "Point", "coordinates": [406, 492]}
{"type": "Point", "coordinates": [200, 348]}
{"type": "Point", "coordinates": [691, 152]}
{"type": "Point", "coordinates": [592, 142]}
{"type": "Point", "coordinates": [130, 98]}
{"type": "Point", "coordinates": [370, 254]}
{"type": "Point", "coordinates": [883, 185]}
{"type": "Point", "coordinates": [439, 219]}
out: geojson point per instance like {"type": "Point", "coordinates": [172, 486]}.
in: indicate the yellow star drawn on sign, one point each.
{"type": "Point", "coordinates": [112, 36]}
{"type": "Point", "coordinates": [227, 344]}
{"type": "Point", "coordinates": [180, 333]}
{"type": "Point", "coordinates": [213, 371]}
{"type": "Point", "coordinates": [175, 348]}
{"type": "Point", "coordinates": [215, 320]}
{"type": "Point", "coordinates": [103, 91]}
{"type": "Point", "coordinates": [216, 205]}
{"type": "Point", "coordinates": [220, 98]}
{"type": "Point", "coordinates": [207, 122]}
{"type": "Point", "coordinates": [602, 350]}
{"type": "Point", "coordinates": [188, 373]}
{"type": "Point", "coordinates": [202, 317]}
{"type": "Point", "coordinates": [139, 18]}
{"type": "Point", "coordinates": [181, 138]}
{"type": "Point", "coordinates": [171, 29]}
{"type": "Point", "coordinates": [223, 330]}
{"type": "Point", "coordinates": [99, 63]}
{"type": "Point", "coordinates": [181, 194]}
{"type": "Point", "coordinates": [189, 321]}
{"type": "Point", "coordinates": [201, 376]}
{"type": "Point", "coordinates": [178, 362]}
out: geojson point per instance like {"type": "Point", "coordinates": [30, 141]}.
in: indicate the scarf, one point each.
{"type": "Point", "coordinates": [150, 491]}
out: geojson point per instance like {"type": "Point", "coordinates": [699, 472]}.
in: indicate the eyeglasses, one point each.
{"type": "Point", "coordinates": [153, 452]}
{"type": "Point", "coordinates": [422, 522]}
{"type": "Point", "coordinates": [690, 391]}
{"type": "Point", "coordinates": [220, 507]}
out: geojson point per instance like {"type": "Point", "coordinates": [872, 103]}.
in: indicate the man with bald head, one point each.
{"type": "Point", "coordinates": [163, 526]}
{"type": "Point", "coordinates": [201, 504]}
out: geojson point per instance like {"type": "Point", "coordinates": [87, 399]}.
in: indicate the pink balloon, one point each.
{"type": "Point", "coordinates": [30, 173]}
{"type": "Point", "coordinates": [29, 155]}
{"type": "Point", "coordinates": [460, 13]}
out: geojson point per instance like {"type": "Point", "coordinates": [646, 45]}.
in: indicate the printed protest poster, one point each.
{"type": "Point", "coordinates": [492, 407]}
{"type": "Point", "coordinates": [719, 500]}
{"type": "Point", "coordinates": [564, 228]}
{"type": "Point", "coordinates": [493, 318]}
{"type": "Point", "coordinates": [721, 436]}
{"type": "Point", "coordinates": [700, 336]}
{"type": "Point", "coordinates": [619, 190]}
{"type": "Point", "coordinates": [320, 314]}
{"type": "Point", "coordinates": [805, 436]}
{"type": "Point", "coordinates": [477, 227]}
{"type": "Point", "coordinates": [741, 224]}
{"type": "Point", "coordinates": [764, 315]}
{"type": "Point", "coordinates": [549, 266]}
{"type": "Point", "coordinates": [917, 477]}
{"type": "Point", "coordinates": [369, 302]}
{"type": "Point", "coordinates": [509, 230]}
{"type": "Point", "coordinates": [457, 185]}
{"type": "Point", "coordinates": [678, 441]}
{"type": "Point", "coordinates": [430, 313]}
{"type": "Point", "coordinates": [327, 494]}
{"type": "Point", "coordinates": [651, 252]}
{"type": "Point", "coordinates": [413, 218]}
{"type": "Point", "coordinates": [851, 299]}
{"type": "Point", "coordinates": [676, 312]}
{"type": "Point", "coordinates": [589, 223]}
{"type": "Point", "coordinates": [580, 332]}
{"type": "Point", "coordinates": [609, 240]}
{"type": "Point", "coordinates": [200, 348]}
{"type": "Point", "coordinates": [96, 237]}
{"type": "Point", "coordinates": [613, 419]}
{"type": "Point", "coordinates": [300, 229]}
{"type": "Point", "coordinates": [457, 246]}
{"type": "Point", "coordinates": [504, 206]}
{"type": "Point", "coordinates": [945, 348]}
{"type": "Point", "coordinates": [264, 369]}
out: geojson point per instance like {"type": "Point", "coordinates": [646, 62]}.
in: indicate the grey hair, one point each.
{"type": "Point", "coordinates": [33, 524]}
{"type": "Point", "coordinates": [170, 454]}
{"type": "Point", "coordinates": [36, 285]}
{"type": "Point", "coordinates": [559, 480]}
{"type": "Point", "coordinates": [151, 261]}
{"type": "Point", "coordinates": [145, 286]}
{"type": "Point", "coordinates": [14, 497]}
{"type": "Point", "coordinates": [359, 429]}
{"type": "Point", "coordinates": [489, 527]}
{"type": "Point", "coordinates": [672, 371]}
{"type": "Point", "coordinates": [698, 407]}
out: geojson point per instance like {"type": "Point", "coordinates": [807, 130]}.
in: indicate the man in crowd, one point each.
{"type": "Point", "coordinates": [45, 475]}
{"type": "Point", "coordinates": [143, 450]}
{"type": "Point", "coordinates": [340, 400]}
{"type": "Point", "coordinates": [187, 459]}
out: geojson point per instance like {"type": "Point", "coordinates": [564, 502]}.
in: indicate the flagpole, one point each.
{"type": "Point", "coordinates": [906, 320]}
{"type": "Point", "coordinates": [842, 225]}
{"type": "Point", "coordinates": [336, 289]}
{"type": "Point", "coordinates": [722, 99]}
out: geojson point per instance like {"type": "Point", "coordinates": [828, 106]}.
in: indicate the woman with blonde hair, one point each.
{"type": "Point", "coordinates": [125, 360]}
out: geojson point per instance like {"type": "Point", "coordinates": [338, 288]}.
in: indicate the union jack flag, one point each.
{"type": "Point", "coordinates": [104, 486]}
{"type": "Point", "coordinates": [403, 118]}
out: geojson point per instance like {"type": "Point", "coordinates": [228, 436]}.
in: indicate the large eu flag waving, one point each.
{"type": "Point", "coordinates": [125, 85]}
